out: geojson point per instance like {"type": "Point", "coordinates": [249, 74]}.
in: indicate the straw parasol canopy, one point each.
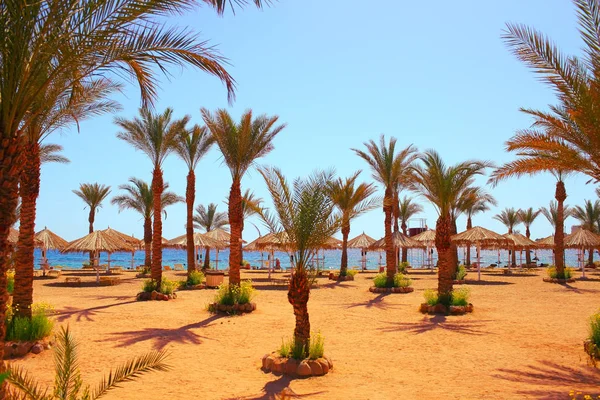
{"type": "Point", "coordinates": [520, 241]}
{"type": "Point", "coordinates": [400, 240]}
{"type": "Point", "coordinates": [200, 239]}
{"type": "Point", "coordinates": [97, 241]}
{"type": "Point", "coordinates": [481, 237]}
{"type": "Point", "coordinates": [124, 237]}
{"type": "Point", "coordinates": [332, 244]}
{"type": "Point", "coordinates": [426, 237]}
{"type": "Point", "coordinates": [582, 239]}
{"type": "Point", "coordinates": [48, 240]}
{"type": "Point", "coordinates": [273, 241]}
{"type": "Point", "coordinates": [219, 234]}
{"type": "Point", "coordinates": [362, 241]}
{"type": "Point", "coordinates": [547, 242]}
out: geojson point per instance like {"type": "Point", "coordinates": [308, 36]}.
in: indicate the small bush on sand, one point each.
{"type": "Point", "coordinates": [460, 297]}
{"type": "Point", "coordinates": [233, 294]}
{"type": "Point", "coordinates": [461, 272]}
{"type": "Point", "coordinates": [25, 329]}
{"type": "Point", "coordinates": [166, 286]}
{"type": "Point", "coordinates": [380, 280]}
{"type": "Point", "coordinates": [403, 267]}
{"type": "Point", "coordinates": [431, 297]}
{"type": "Point", "coordinates": [68, 381]}
{"type": "Point", "coordinates": [402, 281]}
{"type": "Point", "coordinates": [10, 281]}
{"type": "Point", "coordinates": [285, 348]}
{"type": "Point", "coordinates": [552, 273]}
{"type": "Point", "coordinates": [195, 278]}
{"type": "Point", "coordinates": [351, 272]}
{"type": "Point", "coordinates": [595, 328]}
{"type": "Point", "coordinates": [316, 347]}
{"type": "Point", "coordinates": [149, 285]}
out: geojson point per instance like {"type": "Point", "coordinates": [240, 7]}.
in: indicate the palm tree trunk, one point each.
{"type": "Point", "coordinates": [235, 222]}
{"type": "Point", "coordinates": [345, 233]}
{"type": "Point", "coordinates": [298, 295]}
{"type": "Point", "coordinates": [207, 259]}
{"type": "Point", "coordinates": [190, 194]}
{"type": "Point", "coordinates": [527, 254]}
{"type": "Point", "coordinates": [29, 190]}
{"type": "Point", "coordinates": [454, 231]}
{"type": "Point", "coordinates": [404, 249]}
{"type": "Point", "coordinates": [559, 247]}
{"type": "Point", "coordinates": [91, 219]}
{"type": "Point", "coordinates": [591, 257]}
{"type": "Point", "coordinates": [148, 241]}
{"type": "Point", "coordinates": [390, 253]}
{"type": "Point", "coordinates": [157, 190]}
{"type": "Point", "coordinates": [446, 255]}
{"type": "Point", "coordinates": [469, 226]}
{"type": "Point", "coordinates": [10, 168]}
{"type": "Point", "coordinates": [396, 212]}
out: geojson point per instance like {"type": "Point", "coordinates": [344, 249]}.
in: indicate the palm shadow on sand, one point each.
{"type": "Point", "coordinates": [427, 324]}
{"type": "Point", "coordinates": [376, 302]}
{"type": "Point", "coordinates": [273, 391]}
{"type": "Point", "coordinates": [551, 374]}
{"type": "Point", "coordinates": [163, 336]}
{"type": "Point", "coordinates": [86, 313]}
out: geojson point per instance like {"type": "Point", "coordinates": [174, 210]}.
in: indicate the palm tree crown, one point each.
{"type": "Point", "coordinates": [527, 217]}
{"type": "Point", "coordinates": [208, 218]}
{"type": "Point", "coordinates": [192, 145]}
{"type": "Point", "coordinates": [588, 215]}
{"type": "Point", "coordinates": [551, 213]}
{"type": "Point", "coordinates": [509, 217]}
{"type": "Point", "coordinates": [138, 197]}
{"type": "Point", "coordinates": [92, 194]}
{"type": "Point", "coordinates": [408, 208]}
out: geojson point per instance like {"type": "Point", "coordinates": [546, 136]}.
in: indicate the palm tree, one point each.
{"type": "Point", "coordinates": [306, 214]}
{"type": "Point", "coordinates": [474, 201]}
{"type": "Point", "coordinates": [92, 194]}
{"type": "Point", "coordinates": [527, 217]}
{"type": "Point", "coordinates": [389, 168]}
{"type": "Point", "coordinates": [191, 147]}
{"type": "Point", "coordinates": [443, 186]}
{"type": "Point", "coordinates": [208, 218]}
{"type": "Point", "coordinates": [74, 42]}
{"type": "Point", "coordinates": [407, 208]}
{"type": "Point", "coordinates": [510, 218]}
{"type": "Point", "coordinates": [588, 217]}
{"type": "Point", "coordinates": [351, 200]}
{"type": "Point", "coordinates": [551, 213]}
{"type": "Point", "coordinates": [156, 135]}
{"type": "Point", "coordinates": [241, 144]}
{"type": "Point", "coordinates": [138, 197]}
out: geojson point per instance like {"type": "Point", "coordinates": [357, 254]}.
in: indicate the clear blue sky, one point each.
{"type": "Point", "coordinates": [434, 74]}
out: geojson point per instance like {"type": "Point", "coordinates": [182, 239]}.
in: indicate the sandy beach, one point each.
{"type": "Point", "coordinates": [524, 340]}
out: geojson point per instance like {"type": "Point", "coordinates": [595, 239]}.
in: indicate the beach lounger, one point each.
{"type": "Point", "coordinates": [178, 267]}
{"type": "Point", "coordinates": [167, 268]}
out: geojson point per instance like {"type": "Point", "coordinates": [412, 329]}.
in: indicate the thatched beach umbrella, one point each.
{"type": "Point", "coordinates": [582, 239]}
{"type": "Point", "coordinates": [427, 238]}
{"type": "Point", "coordinates": [481, 238]}
{"type": "Point", "coordinates": [96, 242]}
{"type": "Point", "coordinates": [400, 240]}
{"type": "Point", "coordinates": [48, 240]}
{"type": "Point", "coordinates": [520, 242]}
{"type": "Point", "coordinates": [223, 241]}
{"type": "Point", "coordinates": [200, 240]}
{"type": "Point", "coordinates": [362, 242]}
{"type": "Point", "coordinates": [135, 243]}
{"type": "Point", "coordinates": [270, 243]}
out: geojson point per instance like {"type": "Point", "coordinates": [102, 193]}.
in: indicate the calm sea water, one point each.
{"type": "Point", "coordinates": [330, 258]}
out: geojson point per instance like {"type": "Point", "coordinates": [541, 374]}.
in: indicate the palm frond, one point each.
{"type": "Point", "coordinates": [26, 384]}
{"type": "Point", "coordinates": [50, 153]}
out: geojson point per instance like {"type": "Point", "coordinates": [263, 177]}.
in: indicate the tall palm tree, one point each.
{"type": "Point", "coordinates": [156, 135]}
{"type": "Point", "coordinates": [527, 217]}
{"type": "Point", "coordinates": [191, 147]}
{"type": "Point", "coordinates": [588, 216]}
{"type": "Point", "coordinates": [74, 42]}
{"type": "Point", "coordinates": [29, 191]}
{"type": "Point", "coordinates": [208, 218]}
{"type": "Point", "coordinates": [138, 197]}
{"type": "Point", "coordinates": [474, 201]}
{"type": "Point", "coordinates": [551, 213]}
{"type": "Point", "coordinates": [443, 186]}
{"type": "Point", "coordinates": [510, 218]}
{"type": "Point", "coordinates": [352, 200]}
{"type": "Point", "coordinates": [389, 168]}
{"type": "Point", "coordinates": [407, 208]}
{"type": "Point", "coordinates": [305, 212]}
{"type": "Point", "coordinates": [241, 144]}
{"type": "Point", "coordinates": [92, 194]}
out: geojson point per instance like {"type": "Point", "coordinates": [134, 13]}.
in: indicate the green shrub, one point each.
{"type": "Point", "coordinates": [351, 272]}
{"type": "Point", "coordinates": [403, 267]}
{"type": "Point", "coordinates": [168, 286]}
{"type": "Point", "coordinates": [297, 350]}
{"type": "Point", "coordinates": [552, 273]}
{"type": "Point", "coordinates": [285, 348]}
{"type": "Point", "coordinates": [316, 347]}
{"type": "Point", "coordinates": [431, 297]}
{"type": "Point", "coordinates": [460, 297]}
{"type": "Point", "coordinates": [402, 281]}
{"type": "Point", "coordinates": [149, 285]}
{"type": "Point", "coordinates": [10, 281]}
{"type": "Point", "coordinates": [595, 328]}
{"type": "Point", "coordinates": [233, 294]}
{"type": "Point", "coordinates": [461, 272]}
{"type": "Point", "coordinates": [195, 278]}
{"type": "Point", "coordinates": [25, 329]}
{"type": "Point", "coordinates": [380, 280]}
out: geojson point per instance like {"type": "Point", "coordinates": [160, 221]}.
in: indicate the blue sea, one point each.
{"type": "Point", "coordinates": [329, 259]}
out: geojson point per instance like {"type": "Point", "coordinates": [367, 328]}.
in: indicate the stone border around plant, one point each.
{"type": "Point", "coordinates": [154, 295]}
{"type": "Point", "coordinates": [442, 309]}
{"type": "Point", "coordinates": [408, 289]}
{"type": "Point", "coordinates": [193, 287]}
{"type": "Point", "coordinates": [148, 276]}
{"type": "Point", "coordinates": [592, 350]}
{"type": "Point", "coordinates": [233, 309]}
{"type": "Point", "coordinates": [459, 282]}
{"type": "Point", "coordinates": [278, 365]}
{"type": "Point", "coordinates": [556, 280]}
{"type": "Point", "coordinates": [334, 277]}
{"type": "Point", "coordinates": [21, 349]}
